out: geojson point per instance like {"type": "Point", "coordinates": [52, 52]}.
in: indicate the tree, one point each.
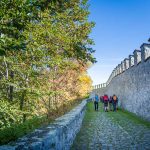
{"type": "Point", "coordinates": [45, 49]}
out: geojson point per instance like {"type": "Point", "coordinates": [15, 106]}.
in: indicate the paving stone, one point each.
{"type": "Point", "coordinates": [100, 132]}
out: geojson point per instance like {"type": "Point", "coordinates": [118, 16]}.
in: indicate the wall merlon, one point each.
{"type": "Point", "coordinates": [96, 86]}
{"type": "Point", "coordinates": [99, 86]}
{"type": "Point", "coordinates": [126, 61]}
{"type": "Point", "coordinates": [137, 56]}
{"type": "Point", "coordinates": [122, 66]}
{"type": "Point", "coordinates": [131, 60]}
{"type": "Point", "coordinates": [145, 51]}
{"type": "Point", "coordinates": [115, 72]}
{"type": "Point", "coordinates": [120, 69]}
{"type": "Point", "coordinates": [103, 84]}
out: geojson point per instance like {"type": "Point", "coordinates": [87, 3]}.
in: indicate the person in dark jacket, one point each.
{"type": "Point", "coordinates": [110, 103]}
{"type": "Point", "coordinates": [101, 99]}
{"type": "Point", "coordinates": [114, 101]}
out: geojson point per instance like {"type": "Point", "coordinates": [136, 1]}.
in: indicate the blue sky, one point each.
{"type": "Point", "coordinates": [121, 27]}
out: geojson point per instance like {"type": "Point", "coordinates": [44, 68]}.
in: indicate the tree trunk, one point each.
{"type": "Point", "coordinates": [11, 88]}
{"type": "Point", "coordinates": [22, 104]}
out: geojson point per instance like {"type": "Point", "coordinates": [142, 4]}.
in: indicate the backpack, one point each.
{"type": "Point", "coordinates": [114, 97]}
{"type": "Point", "coordinates": [105, 98]}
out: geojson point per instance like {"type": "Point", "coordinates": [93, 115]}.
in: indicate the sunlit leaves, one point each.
{"type": "Point", "coordinates": [45, 51]}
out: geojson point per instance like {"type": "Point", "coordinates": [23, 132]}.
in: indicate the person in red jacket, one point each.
{"type": "Point", "coordinates": [105, 100]}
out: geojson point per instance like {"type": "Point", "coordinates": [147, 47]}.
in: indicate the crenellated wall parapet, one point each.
{"type": "Point", "coordinates": [138, 56]}
{"type": "Point", "coordinates": [98, 86]}
{"type": "Point", "coordinates": [130, 81]}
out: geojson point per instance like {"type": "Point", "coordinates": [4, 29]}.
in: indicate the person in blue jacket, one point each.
{"type": "Point", "coordinates": [96, 100]}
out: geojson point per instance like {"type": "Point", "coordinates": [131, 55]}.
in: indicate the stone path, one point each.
{"type": "Point", "coordinates": [112, 131]}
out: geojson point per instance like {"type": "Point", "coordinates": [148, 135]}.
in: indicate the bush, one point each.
{"type": "Point", "coordinates": [9, 114]}
{"type": "Point", "coordinates": [18, 130]}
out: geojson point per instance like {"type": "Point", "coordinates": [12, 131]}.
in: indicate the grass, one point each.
{"type": "Point", "coordinates": [131, 117]}
{"type": "Point", "coordinates": [120, 115]}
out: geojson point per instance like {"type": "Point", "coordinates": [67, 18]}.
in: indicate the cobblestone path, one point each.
{"type": "Point", "coordinates": [112, 131]}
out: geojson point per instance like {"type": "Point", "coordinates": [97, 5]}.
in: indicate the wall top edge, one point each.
{"type": "Point", "coordinates": [136, 50]}
{"type": "Point", "coordinates": [131, 55]}
{"type": "Point", "coordinates": [126, 59]}
{"type": "Point", "coordinates": [144, 44]}
{"type": "Point", "coordinates": [131, 60]}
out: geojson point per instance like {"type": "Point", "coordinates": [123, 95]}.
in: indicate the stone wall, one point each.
{"type": "Point", "coordinates": [57, 136]}
{"type": "Point", "coordinates": [130, 81]}
{"type": "Point", "coordinates": [98, 89]}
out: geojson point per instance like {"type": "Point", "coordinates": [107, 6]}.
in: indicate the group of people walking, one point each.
{"type": "Point", "coordinates": [110, 103]}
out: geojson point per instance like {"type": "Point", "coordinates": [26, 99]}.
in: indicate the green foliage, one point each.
{"type": "Point", "coordinates": [14, 18]}
{"type": "Point", "coordinates": [9, 114]}
{"type": "Point", "coordinates": [18, 130]}
{"type": "Point", "coordinates": [45, 51]}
